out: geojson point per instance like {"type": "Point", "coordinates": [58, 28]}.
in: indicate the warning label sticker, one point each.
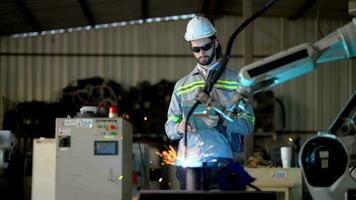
{"type": "Point", "coordinates": [70, 122]}
{"type": "Point", "coordinates": [85, 123]}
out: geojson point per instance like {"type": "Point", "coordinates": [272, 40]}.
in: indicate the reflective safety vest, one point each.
{"type": "Point", "coordinates": [221, 140]}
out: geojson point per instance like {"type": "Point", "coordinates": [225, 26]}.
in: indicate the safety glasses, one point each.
{"type": "Point", "coordinates": [206, 47]}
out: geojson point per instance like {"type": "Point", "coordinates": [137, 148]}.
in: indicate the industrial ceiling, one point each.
{"type": "Point", "coordinates": [23, 16]}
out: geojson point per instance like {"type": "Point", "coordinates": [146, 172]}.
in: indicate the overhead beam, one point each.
{"type": "Point", "coordinates": [87, 12]}
{"type": "Point", "coordinates": [303, 9]}
{"type": "Point", "coordinates": [28, 15]}
{"type": "Point", "coordinates": [144, 9]}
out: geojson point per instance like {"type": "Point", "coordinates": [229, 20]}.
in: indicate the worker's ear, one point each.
{"type": "Point", "coordinates": [218, 51]}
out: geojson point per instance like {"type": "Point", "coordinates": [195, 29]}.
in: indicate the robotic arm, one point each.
{"type": "Point", "coordinates": [290, 64]}
{"type": "Point", "coordinates": [324, 158]}
{"type": "Point", "coordinates": [299, 60]}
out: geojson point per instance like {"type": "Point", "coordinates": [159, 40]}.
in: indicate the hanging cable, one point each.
{"type": "Point", "coordinates": [145, 175]}
{"type": "Point", "coordinates": [318, 19]}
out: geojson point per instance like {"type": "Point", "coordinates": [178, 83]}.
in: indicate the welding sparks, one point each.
{"type": "Point", "coordinates": [169, 156]}
{"type": "Point", "coordinates": [194, 156]}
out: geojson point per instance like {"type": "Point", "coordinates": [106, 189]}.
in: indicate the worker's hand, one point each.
{"type": "Point", "coordinates": [181, 126]}
{"type": "Point", "coordinates": [242, 97]}
{"type": "Point", "coordinates": [211, 120]}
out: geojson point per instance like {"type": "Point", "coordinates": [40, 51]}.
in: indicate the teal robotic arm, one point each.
{"type": "Point", "coordinates": [299, 60]}
{"type": "Point", "coordinates": [288, 65]}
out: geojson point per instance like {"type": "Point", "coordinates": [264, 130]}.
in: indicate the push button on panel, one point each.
{"type": "Point", "coordinates": [112, 126]}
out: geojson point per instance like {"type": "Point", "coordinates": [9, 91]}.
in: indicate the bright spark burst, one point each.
{"type": "Point", "coordinates": [194, 155]}
{"type": "Point", "coordinates": [169, 156]}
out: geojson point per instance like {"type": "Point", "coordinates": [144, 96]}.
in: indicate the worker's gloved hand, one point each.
{"type": "Point", "coordinates": [242, 97]}
{"type": "Point", "coordinates": [181, 126]}
{"type": "Point", "coordinates": [211, 120]}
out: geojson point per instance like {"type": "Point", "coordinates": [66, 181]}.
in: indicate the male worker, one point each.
{"type": "Point", "coordinates": [210, 137]}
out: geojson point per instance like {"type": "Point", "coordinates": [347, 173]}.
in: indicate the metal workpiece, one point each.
{"type": "Point", "coordinates": [197, 178]}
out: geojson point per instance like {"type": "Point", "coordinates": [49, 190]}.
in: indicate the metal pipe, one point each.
{"type": "Point", "coordinates": [197, 178]}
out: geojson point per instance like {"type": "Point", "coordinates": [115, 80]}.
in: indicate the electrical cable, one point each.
{"type": "Point", "coordinates": [283, 112]}
{"type": "Point", "coordinates": [144, 167]}
{"type": "Point", "coordinates": [254, 187]}
{"type": "Point", "coordinates": [317, 19]}
{"type": "Point", "coordinates": [216, 75]}
{"type": "Point", "coordinates": [352, 169]}
{"type": "Point", "coordinates": [243, 25]}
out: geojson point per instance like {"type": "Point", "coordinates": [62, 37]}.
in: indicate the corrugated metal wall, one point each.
{"type": "Point", "coordinates": [37, 68]}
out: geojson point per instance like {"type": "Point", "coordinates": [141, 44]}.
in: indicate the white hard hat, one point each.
{"type": "Point", "coordinates": [199, 27]}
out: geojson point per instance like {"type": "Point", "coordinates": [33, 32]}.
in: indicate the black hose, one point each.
{"type": "Point", "coordinates": [318, 19]}
{"type": "Point", "coordinates": [186, 126]}
{"type": "Point", "coordinates": [283, 111]}
{"type": "Point", "coordinates": [254, 187]}
{"type": "Point", "coordinates": [145, 176]}
{"type": "Point", "coordinates": [226, 58]}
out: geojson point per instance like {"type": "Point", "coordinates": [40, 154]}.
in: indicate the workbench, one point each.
{"type": "Point", "coordinates": [286, 181]}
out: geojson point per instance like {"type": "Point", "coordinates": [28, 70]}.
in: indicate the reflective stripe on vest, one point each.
{"type": "Point", "coordinates": [175, 118]}
{"type": "Point", "coordinates": [230, 85]}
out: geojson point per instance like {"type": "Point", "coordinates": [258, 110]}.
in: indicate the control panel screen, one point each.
{"type": "Point", "coordinates": [106, 147]}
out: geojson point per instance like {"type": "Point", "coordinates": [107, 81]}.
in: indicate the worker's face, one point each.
{"type": "Point", "coordinates": [203, 50]}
